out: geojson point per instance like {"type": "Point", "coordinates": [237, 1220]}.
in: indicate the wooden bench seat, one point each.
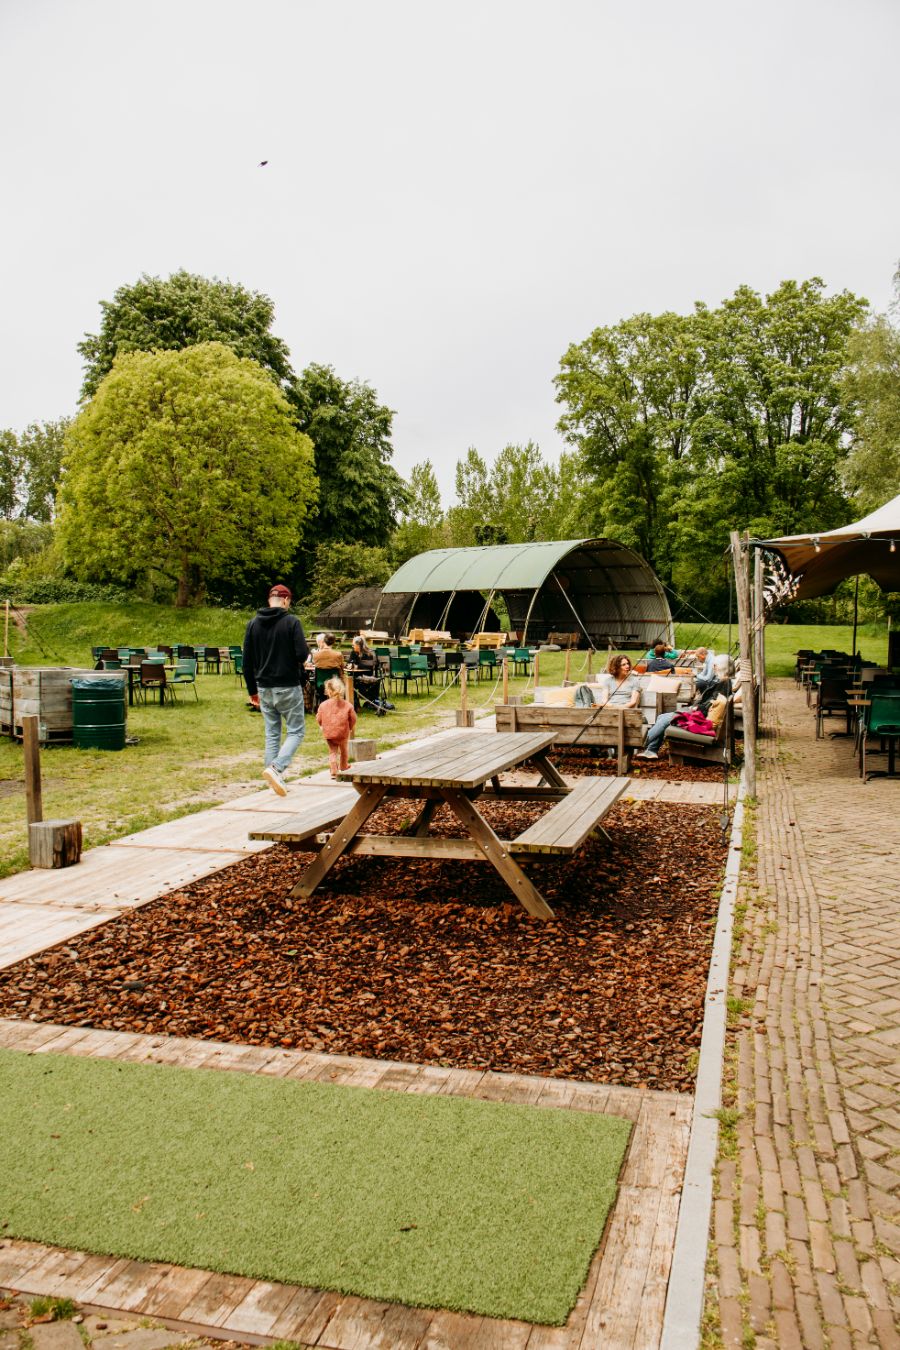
{"type": "Point", "coordinates": [565, 826]}
{"type": "Point", "coordinates": [303, 821]}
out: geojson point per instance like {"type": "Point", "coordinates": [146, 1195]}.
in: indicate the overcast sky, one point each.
{"type": "Point", "coordinates": [454, 191]}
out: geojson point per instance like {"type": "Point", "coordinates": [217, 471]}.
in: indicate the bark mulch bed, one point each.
{"type": "Point", "coordinates": [578, 761]}
{"type": "Point", "coordinates": [426, 962]}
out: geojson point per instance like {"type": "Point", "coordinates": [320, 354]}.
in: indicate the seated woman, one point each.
{"type": "Point", "coordinates": [327, 656]}
{"type": "Point", "coordinates": [618, 686]}
{"type": "Point", "coordinates": [363, 666]}
{"type": "Point", "coordinates": [702, 700]}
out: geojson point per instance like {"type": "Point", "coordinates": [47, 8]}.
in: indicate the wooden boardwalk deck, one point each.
{"type": "Point", "coordinates": [621, 1305]}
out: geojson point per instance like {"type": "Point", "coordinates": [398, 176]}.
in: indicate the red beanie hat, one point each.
{"type": "Point", "coordinates": [281, 591]}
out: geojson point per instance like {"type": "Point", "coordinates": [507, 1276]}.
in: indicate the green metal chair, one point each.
{"type": "Point", "coordinates": [883, 721]}
{"type": "Point", "coordinates": [402, 672]}
{"type": "Point", "coordinates": [521, 661]}
{"type": "Point", "coordinates": [185, 672]}
{"type": "Point", "coordinates": [418, 663]}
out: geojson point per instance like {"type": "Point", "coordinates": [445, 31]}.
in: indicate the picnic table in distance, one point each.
{"type": "Point", "coordinates": [456, 770]}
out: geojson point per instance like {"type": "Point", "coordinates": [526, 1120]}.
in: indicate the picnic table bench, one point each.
{"type": "Point", "coordinates": [455, 770]}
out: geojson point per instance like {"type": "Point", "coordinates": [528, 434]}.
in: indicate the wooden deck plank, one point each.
{"type": "Point", "coordinates": [116, 877]}
{"type": "Point", "coordinates": [216, 1298]}
{"type": "Point", "coordinates": [175, 1287]}
{"type": "Point", "coordinates": [222, 831]}
{"type": "Point", "coordinates": [257, 1314]}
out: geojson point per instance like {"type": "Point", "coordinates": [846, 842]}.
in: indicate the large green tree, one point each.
{"type": "Point", "coordinates": [10, 471]}
{"type": "Point", "coordinates": [690, 425]}
{"type": "Point", "coordinates": [183, 310]}
{"type": "Point", "coordinates": [187, 463]}
{"type": "Point", "coordinates": [872, 385]}
{"type": "Point", "coordinates": [360, 493]}
{"type": "Point", "coordinates": [421, 524]}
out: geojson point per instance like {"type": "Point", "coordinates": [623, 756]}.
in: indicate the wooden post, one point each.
{"type": "Point", "coordinates": [759, 625]}
{"type": "Point", "coordinates": [621, 760]}
{"type": "Point", "coordinates": [568, 664]}
{"type": "Point", "coordinates": [348, 681]}
{"type": "Point", "coordinates": [748, 710]}
{"type": "Point", "coordinates": [34, 806]}
{"type": "Point", "coordinates": [590, 669]}
{"type": "Point", "coordinates": [6, 630]}
{"type": "Point", "coordinates": [361, 747]}
{"type": "Point", "coordinates": [537, 669]}
{"type": "Point", "coordinates": [505, 679]}
{"type": "Point", "coordinates": [464, 718]}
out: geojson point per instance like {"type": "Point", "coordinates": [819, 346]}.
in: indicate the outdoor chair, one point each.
{"type": "Point", "coordinates": [418, 661]}
{"type": "Point", "coordinates": [185, 653]}
{"type": "Point", "coordinates": [153, 678]}
{"type": "Point", "coordinates": [472, 664]}
{"type": "Point", "coordinates": [211, 660]}
{"type": "Point", "coordinates": [487, 660]}
{"type": "Point", "coordinates": [111, 663]}
{"type": "Point", "coordinates": [831, 698]}
{"type": "Point", "coordinates": [883, 721]}
{"type": "Point", "coordinates": [521, 660]}
{"type": "Point", "coordinates": [450, 668]}
{"type": "Point", "coordinates": [185, 673]}
{"type": "Point", "coordinates": [402, 672]}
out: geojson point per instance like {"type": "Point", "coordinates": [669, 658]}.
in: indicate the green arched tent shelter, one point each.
{"type": "Point", "coordinates": [595, 586]}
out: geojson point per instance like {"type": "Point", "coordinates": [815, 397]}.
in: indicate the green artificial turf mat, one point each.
{"type": "Point", "coordinates": [431, 1201]}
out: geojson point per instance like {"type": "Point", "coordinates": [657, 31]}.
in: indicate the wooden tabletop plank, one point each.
{"type": "Point", "coordinates": [299, 824]}
{"type": "Point", "coordinates": [463, 761]}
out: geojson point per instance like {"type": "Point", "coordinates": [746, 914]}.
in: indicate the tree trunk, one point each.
{"type": "Point", "coordinates": [191, 586]}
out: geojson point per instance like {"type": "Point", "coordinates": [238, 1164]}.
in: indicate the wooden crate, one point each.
{"type": "Point", "coordinates": [44, 692]}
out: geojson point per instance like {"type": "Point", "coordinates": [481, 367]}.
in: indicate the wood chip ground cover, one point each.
{"type": "Point", "coordinates": [426, 962]}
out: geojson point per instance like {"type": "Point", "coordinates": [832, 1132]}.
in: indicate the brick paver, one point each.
{"type": "Point", "coordinates": [805, 1246]}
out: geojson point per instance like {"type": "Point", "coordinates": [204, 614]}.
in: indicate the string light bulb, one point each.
{"type": "Point", "coordinates": [893, 546]}
{"type": "Point", "coordinates": [816, 545]}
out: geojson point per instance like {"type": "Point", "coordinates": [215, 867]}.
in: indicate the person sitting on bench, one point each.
{"type": "Point", "coordinates": [657, 732]}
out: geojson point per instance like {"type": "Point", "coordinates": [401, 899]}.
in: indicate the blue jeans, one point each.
{"type": "Point", "coordinates": [657, 732]}
{"type": "Point", "coordinates": [275, 704]}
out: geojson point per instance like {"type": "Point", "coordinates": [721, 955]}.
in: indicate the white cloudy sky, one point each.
{"type": "Point", "coordinates": [455, 191]}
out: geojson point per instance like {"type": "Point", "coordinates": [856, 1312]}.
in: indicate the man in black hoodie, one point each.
{"type": "Point", "coordinates": [275, 654]}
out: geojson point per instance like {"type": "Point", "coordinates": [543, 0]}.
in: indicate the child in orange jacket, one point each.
{"type": "Point", "coordinates": [337, 718]}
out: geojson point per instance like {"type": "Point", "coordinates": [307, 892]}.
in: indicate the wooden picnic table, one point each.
{"type": "Point", "coordinates": [456, 770]}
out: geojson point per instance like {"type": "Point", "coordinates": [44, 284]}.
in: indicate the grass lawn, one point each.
{"type": "Point", "coordinates": [193, 755]}
{"type": "Point", "coordinates": [425, 1200]}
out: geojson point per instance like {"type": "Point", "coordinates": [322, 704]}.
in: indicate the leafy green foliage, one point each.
{"type": "Point", "coordinates": [182, 311]}
{"type": "Point", "coordinates": [30, 468]}
{"type": "Point", "coordinates": [422, 521]}
{"type": "Point", "coordinates": [872, 384]}
{"type": "Point", "coordinates": [691, 425]}
{"type": "Point", "coordinates": [339, 567]}
{"type": "Point", "coordinates": [185, 462]}
{"type": "Point", "coordinates": [360, 493]}
{"type": "Point", "coordinates": [520, 497]}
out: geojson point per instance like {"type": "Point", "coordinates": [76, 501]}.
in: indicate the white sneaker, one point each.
{"type": "Point", "coordinates": [646, 754]}
{"type": "Point", "coordinates": [275, 780]}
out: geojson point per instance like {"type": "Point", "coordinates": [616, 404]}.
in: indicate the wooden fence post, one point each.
{"type": "Point", "coordinates": [748, 700]}
{"type": "Point", "coordinates": [34, 806]}
{"type": "Point", "coordinates": [506, 679]}
{"type": "Point", "coordinates": [464, 718]}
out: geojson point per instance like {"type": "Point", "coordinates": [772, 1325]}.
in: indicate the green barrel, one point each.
{"type": "Point", "coordinates": [98, 713]}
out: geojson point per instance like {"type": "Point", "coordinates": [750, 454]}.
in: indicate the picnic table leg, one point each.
{"type": "Point", "coordinates": [343, 836]}
{"type": "Point", "coordinates": [549, 771]}
{"type": "Point", "coordinates": [419, 828]}
{"type": "Point", "coordinates": [497, 854]}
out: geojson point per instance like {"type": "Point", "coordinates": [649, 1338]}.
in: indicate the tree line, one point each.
{"type": "Point", "coordinates": [199, 464]}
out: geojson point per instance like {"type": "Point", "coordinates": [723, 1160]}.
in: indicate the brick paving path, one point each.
{"type": "Point", "coordinates": [805, 1244]}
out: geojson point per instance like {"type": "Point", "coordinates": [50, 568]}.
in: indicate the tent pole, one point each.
{"type": "Point", "coordinates": [528, 617]}
{"type": "Point", "coordinates": [442, 621]}
{"type": "Point", "coordinates": [574, 611]}
{"type": "Point", "coordinates": [759, 622]}
{"type": "Point", "coordinates": [410, 614]}
{"type": "Point", "coordinates": [855, 614]}
{"type": "Point", "coordinates": [748, 700]}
